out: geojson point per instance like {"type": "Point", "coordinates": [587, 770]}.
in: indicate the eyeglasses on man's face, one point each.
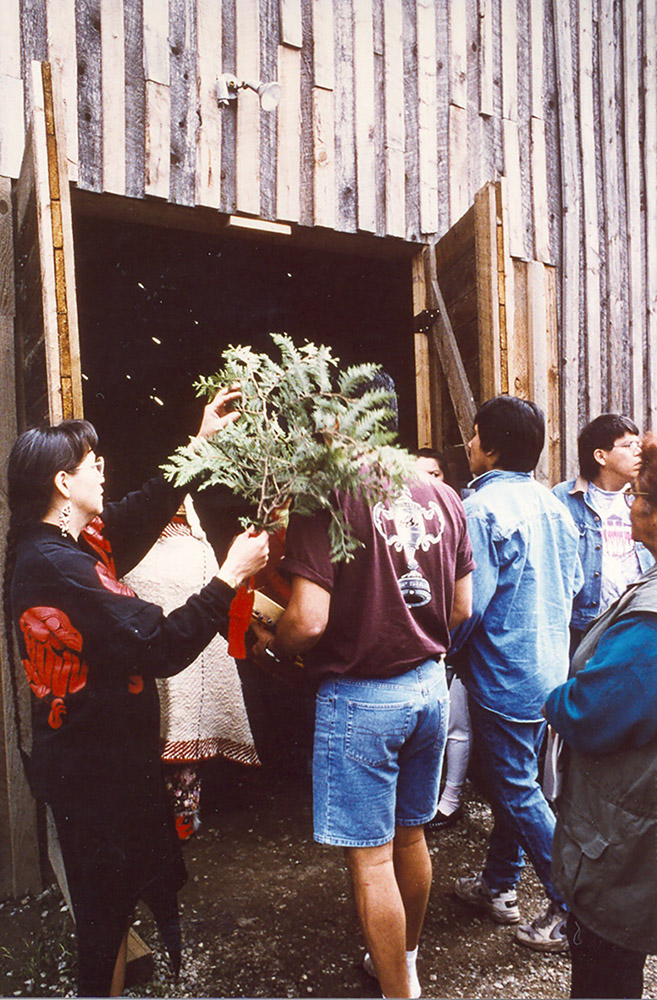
{"type": "Point", "coordinates": [631, 494]}
{"type": "Point", "coordinates": [634, 445]}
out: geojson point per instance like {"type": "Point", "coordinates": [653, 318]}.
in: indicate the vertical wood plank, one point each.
{"type": "Point", "coordinates": [486, 58]}
{"type": "Point", "coordinates": [289, 135]}
{"type": "Point", "coordinates": [158, 98]}
{"type": "Point", "coordinates": [537, 50]}
{"type": "Point", "coordinates": [505, 279]}
{"type": "Point", "coordinates": [459, 199]}
{"type": "Point", "coordinates": [538, 355]}
{"type": "Point", "coordinates": [156, 47]}
{"type": "Point", "coordinates": [511, 148]}
{"type": "Point", "coordinates": [62, 56]}
{"type": "Point", "coordinates": [68, 340]}
{"type": "Point", "coordinates": [518, 340]}
{"type": "Point", "coordinates": [135, 102]}
{"type": "Point", "coordinates": [208, 135]}
{"type": "Point", "coordinates": [540, 206]}
{"type": "Point", "coordinates": [553, 411]}
{"type": "Point", "coordinates": [345, 145]}
{"type": "Point", "coordinates": [591, 275]}
{"type": "Point", "coordinates": [488, 314]}
{"type": "Point", "coordinates": [323, 44]}
{"type": "Point", "coordinates": [89, 95]}
{"type": "Point", "coordinates": [19, 860]}
{"type": "Point", "coordinates": [269, 42]}
{"type": "Point", "coordinates": [427, 126]}
{"type": "Point", "coordinates": [365, 114]}
{"type": "Point", "coordinates": [458, 56]}
{"type": "Point", "coordinates": [649, 160]}
{"type": "Point", "coordinates": [12, 126]}
{"type": "Point", "coordinates": [183, 92]}
{"type": "Point", "coordinates": [324, 158]}
{"type": "Point", "coordinates": [247, 140]}
{"type": "Point", "coordinates": [617, 352]}
{"type": "Point", "coordinates": [395, 193]}
{"type": "Point", "coordinates": [291, 26]}
{"type": "Point", "coordinates": [570, 199]}
{"type": "Point", "coordinates": [632, 151]}
{"type": "Point", "coordinates": [112, 34]}
{"type": "Point", "coordinates": [422, 367]}
{"type": "Point", "coordinates": [509, 37]}
{"type": "Point", "coordinates": [158, 132]}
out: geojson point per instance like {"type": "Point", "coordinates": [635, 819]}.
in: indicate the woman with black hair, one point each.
{"type": "Point", "coordinates": [92, 650]}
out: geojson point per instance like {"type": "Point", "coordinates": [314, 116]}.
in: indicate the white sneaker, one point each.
{"type": "Point", "coordinates": [413, 981]}
{"type": "Point", "coordinates": [547, 932]}
{"type": "Point", "coordinates": [501, 906]}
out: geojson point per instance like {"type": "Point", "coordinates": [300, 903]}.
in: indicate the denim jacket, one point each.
{"type": "Point", "coordinates": [574, 496]}
{"type": "Point", "coordinates": [514, 648]}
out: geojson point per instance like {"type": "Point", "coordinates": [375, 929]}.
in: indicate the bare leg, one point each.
{"type": "Point", "coordinates": [118, 976]}
{"type": "Point", "coordinates": [381, 913]}
{"type": "Point", "coordinates": [412, 865]}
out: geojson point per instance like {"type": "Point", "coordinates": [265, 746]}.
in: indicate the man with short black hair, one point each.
{"type": "Point", "coordinates": [609, 451]}
{"type": "Point", "coordinates": [514, 651]}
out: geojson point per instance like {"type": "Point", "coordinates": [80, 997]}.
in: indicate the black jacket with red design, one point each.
{"type": "Point", "coordinates": [92, 650]}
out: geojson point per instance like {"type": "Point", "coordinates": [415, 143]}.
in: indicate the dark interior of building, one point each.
{"type": "Point", "coordinates": [157, 306]}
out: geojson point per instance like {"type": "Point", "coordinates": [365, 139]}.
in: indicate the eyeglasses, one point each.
{"type": "Point", "coordinates": [634, 446]}
{"type": "Point", "coordinates": [631, 494]}
{"type": "Point", "coordinates": [98, 464]}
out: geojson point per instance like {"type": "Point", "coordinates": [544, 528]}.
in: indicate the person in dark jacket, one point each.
{"type": "Point", "coordinates": [605, 842]}
{"type": "Point", "coordinates": [92, 650]}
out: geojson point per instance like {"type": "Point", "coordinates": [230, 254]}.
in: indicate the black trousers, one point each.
{"type": "Point", "coordinates": [600, 968]}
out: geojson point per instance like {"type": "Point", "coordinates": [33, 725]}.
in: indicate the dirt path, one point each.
{"type": "Point", "coordinates": [268, 913]}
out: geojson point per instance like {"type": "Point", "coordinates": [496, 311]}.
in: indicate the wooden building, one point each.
{"type": "Point", "coordinates": [464, 187]}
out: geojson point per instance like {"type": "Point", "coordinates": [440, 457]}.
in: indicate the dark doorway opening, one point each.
{"type": "Point", "coordinates": [157, 306]}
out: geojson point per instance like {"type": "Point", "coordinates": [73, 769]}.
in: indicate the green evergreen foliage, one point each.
{"type": "Point", "coordinates": [306, 430]}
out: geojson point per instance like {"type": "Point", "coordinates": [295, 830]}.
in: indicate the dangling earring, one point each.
{"type": "Point", "coordinates": [64, 518]}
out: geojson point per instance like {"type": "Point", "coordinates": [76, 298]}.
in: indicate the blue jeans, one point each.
{"type": "Point", "coordinates": [378, 754]}
{"type": "Point", "coordinates": [508, 760]}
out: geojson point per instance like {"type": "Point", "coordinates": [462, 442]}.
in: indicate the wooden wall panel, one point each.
{"type": "Point", "coordinates": [394, 142]}
{"type": "Point", "coordinates": [112, 34]}
{"type": "Point", "coordinates": [393, 113]}
{"type": "Point", "coordinates": [12, 128]}
{"type": "Point", "coordinates": [157, 112]}
{"type": "Point", "coordinates": [247, 145]}
{"type": "Point", "coordinates": [208, 134]}
{"type": "Point", "coordinates": [427, 128]}
{"type": "Point", "coordinates": [61, 18]}
{"type": "Point", "coordinates": [649, 41]}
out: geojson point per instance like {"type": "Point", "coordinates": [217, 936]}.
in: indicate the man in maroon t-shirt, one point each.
{"type": "Point", "coordinates": [373, 633]}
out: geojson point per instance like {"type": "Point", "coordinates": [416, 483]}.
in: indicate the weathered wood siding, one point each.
{"type": "Point", "coordinates": [394, 114]}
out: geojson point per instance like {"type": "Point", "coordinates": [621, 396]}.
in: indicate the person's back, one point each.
{"type": "Point", "coordinates": [513, 650]}
{"type": "Point", "coordinates": [391, 604]}
{"type": "Point", "coordinates": [518, 650]}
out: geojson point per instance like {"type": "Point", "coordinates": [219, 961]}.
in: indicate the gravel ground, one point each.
{"type": "Point", "coordinates": [268, 913]}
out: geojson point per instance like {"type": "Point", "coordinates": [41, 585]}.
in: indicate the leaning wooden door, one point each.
{"type": "Point", "coordinates": [48, 378]}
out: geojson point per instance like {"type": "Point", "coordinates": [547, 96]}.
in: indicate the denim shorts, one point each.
{"type": "Point", "coordinates": [378, 754]}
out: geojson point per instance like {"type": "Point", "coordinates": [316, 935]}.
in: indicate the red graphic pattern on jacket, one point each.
{"type": "Point", "coordinates": [93, 536]}
{"type": "Point", "coordinates": [109, 581]}
{"type": "Point", "coordinates": [54, 664]}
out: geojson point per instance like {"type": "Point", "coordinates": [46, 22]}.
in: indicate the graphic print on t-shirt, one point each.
{"type": "Point", "coordinates": [403, 525]}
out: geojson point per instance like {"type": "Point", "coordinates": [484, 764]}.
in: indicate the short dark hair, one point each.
{"type": "Point", "coordinates": [37, 456]}
{"type": "Point", "coordinates": [602, 432]}
{"type": "Point", "coordinates": [436, 455]}
{"type": "Point", "coordinates": [514, 428]}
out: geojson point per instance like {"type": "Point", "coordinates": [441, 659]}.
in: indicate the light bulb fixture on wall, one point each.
{"type": "Point", "coordinates": [228, 85]}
